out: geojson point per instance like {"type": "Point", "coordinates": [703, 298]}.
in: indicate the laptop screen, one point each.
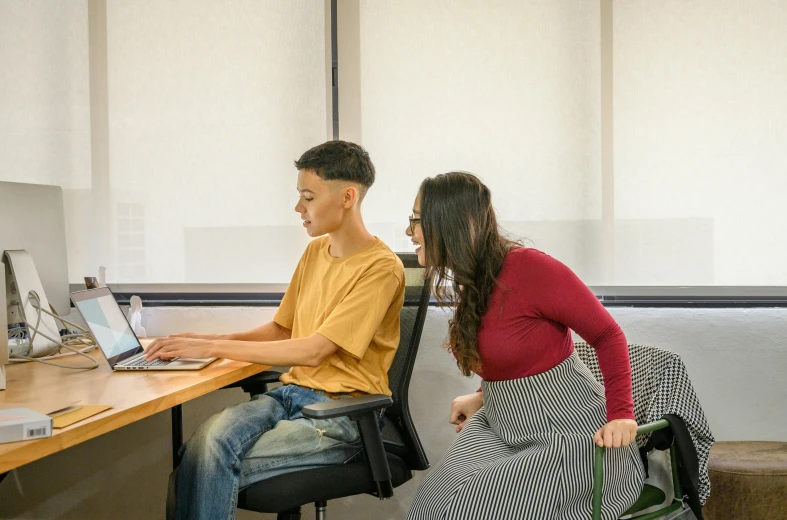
{"type": "Point", "coordinates": [107, 323]}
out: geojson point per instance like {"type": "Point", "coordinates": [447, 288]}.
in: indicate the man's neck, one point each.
{"type": "Point", "coordinates": [351, 237]}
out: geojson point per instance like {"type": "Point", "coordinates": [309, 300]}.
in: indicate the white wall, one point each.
{"type": "Point", "coordinates": [205, 107]}
{"type": "Point", "coordinates": [207, 104]}
{"type": "Point", "coordinates": [506, 89]}
{"type": "Point", "coordinates": [735, 357]}
{"type": "Point", "coordinates": [699, 119]}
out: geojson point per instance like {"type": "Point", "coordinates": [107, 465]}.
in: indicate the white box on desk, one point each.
{"type": "Point", "coordinates": [23, 424]}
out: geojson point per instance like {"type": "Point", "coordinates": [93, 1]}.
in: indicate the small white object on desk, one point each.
{"type": "Point", "coordinates": [135, 316]}
{"type": "Point", "coordinates": [22, 424]}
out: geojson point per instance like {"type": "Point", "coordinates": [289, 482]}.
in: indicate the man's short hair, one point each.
{"type": "Point", "coordinates": [339, 161]}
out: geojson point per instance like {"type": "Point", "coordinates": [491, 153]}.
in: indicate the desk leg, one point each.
{"type": "Point", "coordinates": [177, 434]}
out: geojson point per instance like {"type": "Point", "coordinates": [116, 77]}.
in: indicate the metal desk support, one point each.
{"type": "Point", "coordinates": [177, 434]}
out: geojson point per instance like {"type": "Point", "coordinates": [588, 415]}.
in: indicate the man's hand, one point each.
{"type": "Point", "coordinates": [310, 351]}
{"type": "Point", "coordinates": [616, 433]}
{"type": "Point", "coordinates": [463, 409]}
{"type": "Point", "coordinates": [174, 346]}
{"type": "Point", "coordinates": [198, 335]}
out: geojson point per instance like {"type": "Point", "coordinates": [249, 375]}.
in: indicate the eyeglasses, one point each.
{"type": "Point", "coordinates": [413, 221]}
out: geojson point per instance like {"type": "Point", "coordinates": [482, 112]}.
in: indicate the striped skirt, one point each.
{"type": "Point", "coordinates": [528, 454]}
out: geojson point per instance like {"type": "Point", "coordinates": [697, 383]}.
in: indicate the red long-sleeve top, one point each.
{"type": "Point", "coordinates": [527, 327]}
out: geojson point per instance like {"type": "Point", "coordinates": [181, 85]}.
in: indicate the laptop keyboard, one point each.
{"type": "Point", "coordinates": [140, 362]}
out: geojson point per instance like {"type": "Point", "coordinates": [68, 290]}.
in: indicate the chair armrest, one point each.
{"type": "Point", "coordinates": [258, 383]}
{"type": "Point", "coordinates": [652, 427]}
{"type": "Point", "coordinates": [350, 407]}
{"type": "Point", "coordinates": [361, 410]}
{"type": "Point", "coordinates": [598, 464]}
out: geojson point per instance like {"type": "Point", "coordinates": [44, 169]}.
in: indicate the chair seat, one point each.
{"type": "Point", "coordinates": [650, 496]}
{"type": "Point", "coordinates": [291, 490]}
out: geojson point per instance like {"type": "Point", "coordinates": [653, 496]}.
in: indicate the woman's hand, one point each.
{"type": "Point", "coordinates": [463, 409]}
{"type": "Point", "coordinates": [616, 433]}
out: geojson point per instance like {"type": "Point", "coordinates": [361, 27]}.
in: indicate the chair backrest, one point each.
{"type": "Point", "coordinates": [399, 434]}
{"type": "Point", "coordinates": [660, 385]}
{"type": "Point", "coordinates": [644, 379]}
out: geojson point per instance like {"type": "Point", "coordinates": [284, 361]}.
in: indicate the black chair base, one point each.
{"type": "Point", "coordinates": [292, 514]}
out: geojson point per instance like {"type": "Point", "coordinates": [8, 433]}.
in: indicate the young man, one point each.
{"type": "Point", "coordinates": [337, 326]}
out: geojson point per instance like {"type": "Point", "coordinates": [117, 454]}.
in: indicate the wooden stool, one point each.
{"type": "Point", "coordinates": [748, 480]}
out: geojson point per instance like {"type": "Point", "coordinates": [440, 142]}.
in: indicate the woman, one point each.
{"type": "Point", "coordinates": [525, 444]}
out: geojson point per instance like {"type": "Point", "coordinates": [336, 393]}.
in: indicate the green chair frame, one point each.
{"type": "Point", "coordinates": [650, 495]}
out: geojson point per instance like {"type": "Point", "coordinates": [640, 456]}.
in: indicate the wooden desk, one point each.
{"type": "Point", "coordinates": [133, 396]}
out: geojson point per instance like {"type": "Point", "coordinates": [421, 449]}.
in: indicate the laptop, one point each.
{"type": "Point", "coordinates": [115, 337]}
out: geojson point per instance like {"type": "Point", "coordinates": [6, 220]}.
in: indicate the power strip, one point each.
{"type": "Point", "coordinates": [18, 347]}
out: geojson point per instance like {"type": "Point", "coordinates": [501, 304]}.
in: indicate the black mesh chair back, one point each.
{"type": "Point", "coordinates": [399, 434]}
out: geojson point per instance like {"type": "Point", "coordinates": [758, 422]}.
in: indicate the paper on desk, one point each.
{"type": "Point", "coordinates": [45, 407]}
{"type": "Point", "coordinates": [83, 412]}
{"type": "Point", "coordinates": [65, 410]}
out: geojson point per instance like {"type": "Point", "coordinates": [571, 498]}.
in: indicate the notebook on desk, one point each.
{"type": "Point", "coordinates": [115, 337]}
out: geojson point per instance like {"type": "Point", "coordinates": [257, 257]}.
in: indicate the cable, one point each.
{"type": "Point", "coordinates": [65, 342]}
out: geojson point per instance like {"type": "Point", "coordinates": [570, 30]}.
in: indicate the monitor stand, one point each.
{"type": "Point", "coordinates": [3, 328]}
{"type": "Point", "coordinates": [21, 278]}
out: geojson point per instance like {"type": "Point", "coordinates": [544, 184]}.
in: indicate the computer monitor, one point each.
{"type": "Point", "coordinates": [3, 326]}
{"type": "Point", "coordinates": [32, 218]}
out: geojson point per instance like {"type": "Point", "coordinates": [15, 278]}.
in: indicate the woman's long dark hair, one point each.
{"type": "Point", "coordinates": [461, 236]}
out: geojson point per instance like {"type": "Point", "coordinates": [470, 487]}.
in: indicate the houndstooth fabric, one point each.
{"type": "Point", "coordinates": [661, 386]}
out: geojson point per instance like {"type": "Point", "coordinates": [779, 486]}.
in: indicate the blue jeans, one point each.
{"type": "Point", "coordinates": [253, 441]}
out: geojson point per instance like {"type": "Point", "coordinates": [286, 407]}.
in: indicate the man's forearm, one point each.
{"type": "Point", "coordinates": [309, 351]}
{"type": "Point", "coordinates": [271, 331]}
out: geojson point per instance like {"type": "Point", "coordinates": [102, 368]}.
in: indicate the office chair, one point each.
{"type": "Point", "coordinates": [651, 495]}
{"type": "Point", "coordinates": [390, 456]}
{"type": "Point", "coordinates": [663, 398]}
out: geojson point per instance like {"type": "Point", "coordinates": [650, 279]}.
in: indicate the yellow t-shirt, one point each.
{"type": "Point", "coordinates": [353, 301]}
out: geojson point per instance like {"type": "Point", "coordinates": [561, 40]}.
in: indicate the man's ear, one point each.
{"type": "Point", "coordinates": [350, 196]}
